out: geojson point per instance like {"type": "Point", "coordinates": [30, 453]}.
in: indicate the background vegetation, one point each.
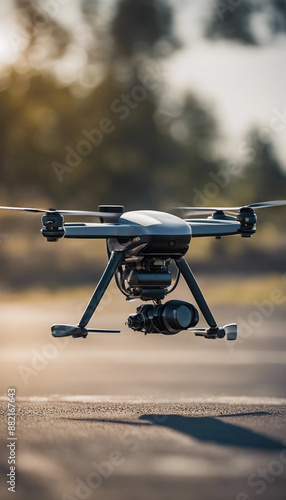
{"type": "Point", "coordinates": [86, 119]}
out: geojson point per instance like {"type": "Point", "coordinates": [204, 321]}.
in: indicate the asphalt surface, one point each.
{"type": "Point", "coordinates": [139, 450]}
{"type": "Point", "coordinates": [133, 417]}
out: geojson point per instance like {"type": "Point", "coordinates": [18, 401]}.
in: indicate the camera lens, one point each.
{"type": "Point", "coordinates": [135, 321]}
{"type": "Point", "coordinates": [183, 316]}
{"type": "Point", "coordinates": [176, 315]}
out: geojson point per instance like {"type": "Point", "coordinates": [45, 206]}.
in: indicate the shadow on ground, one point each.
{"type": "Point", "coordinates": [206, 429]}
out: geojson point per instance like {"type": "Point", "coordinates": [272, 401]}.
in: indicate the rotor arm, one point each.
{"type": "Point", "coordinates": [213, 227]}
{"type": "Point", "coordinates": [99, 230]}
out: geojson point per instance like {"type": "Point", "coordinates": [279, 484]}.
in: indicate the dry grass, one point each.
{"type": "Point", "coordinates": [226, 290]}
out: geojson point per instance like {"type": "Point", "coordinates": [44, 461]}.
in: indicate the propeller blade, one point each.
{"type": "Point", "coordinates": [22, 209]}
{"type": "Point", "coordinates": [83, 213]}
{"type": "Point", "coordinates": [205, 210]}
{"type": "Point", "coordinates": [88, 213]}
{"type": "Point", "coordinates": [266, 204]}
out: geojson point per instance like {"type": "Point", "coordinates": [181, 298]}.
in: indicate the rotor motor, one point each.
{"type": "Point", "coordinates": [247, 218]}
{"type": "Point", "coordinates": [53, 226]}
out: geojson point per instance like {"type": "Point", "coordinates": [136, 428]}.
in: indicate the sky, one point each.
{"type": "Point", "coordinates": [245, 85]}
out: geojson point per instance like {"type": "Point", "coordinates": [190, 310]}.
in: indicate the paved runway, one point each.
{"type": "Point", "coordinates": [129, 449]}
{"type": "Point", "coordinates": [133, 417]}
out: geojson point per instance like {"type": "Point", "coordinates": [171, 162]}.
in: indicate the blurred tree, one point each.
{"type": "Point", "coordinates": [153, 151]}
{"type": "Point", "coordinates": [86, 117]}
{"type": "Point", "coordinates": [250, 22]}
{"type": "Point", "coordinates": [42, 37]}
{"type": "Point", "coordinates": [262, 171]}
{"type": "Point", "coordinates": [141, 25]}
{"type": "Point", "coordinates": [48, 142]}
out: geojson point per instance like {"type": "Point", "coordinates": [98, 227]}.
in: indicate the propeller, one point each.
{"type": "Point", "coordinates": [103, 214]}
{"type": "Point", "coordinates": [205, 210]}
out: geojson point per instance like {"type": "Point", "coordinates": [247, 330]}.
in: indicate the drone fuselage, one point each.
{"type": "Point", "coordinates": [141, 246]}
{"type": "Point", "coordinates": [157, 234]}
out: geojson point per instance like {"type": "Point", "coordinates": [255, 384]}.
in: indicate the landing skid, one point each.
{"type": "Point", "coordinates": [80, 330]}
{"type": "Point", "coordinates": [77, 331]}
{"type": "Point", "coordinates": [230, 331]}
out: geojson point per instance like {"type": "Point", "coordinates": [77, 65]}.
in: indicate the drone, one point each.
{"type": "Point", "coordinates": [141, 245]}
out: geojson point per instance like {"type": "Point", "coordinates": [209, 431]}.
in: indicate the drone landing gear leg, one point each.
{"type": "Point", "coordinates": [108, 274]}
{"type": "Point", "coordinates": [214, 331]}
{"type": "Point", "coordinates": [80, 330]}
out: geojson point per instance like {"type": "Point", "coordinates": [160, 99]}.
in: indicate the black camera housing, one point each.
{"type": "Point", "coordinates": [149, 285]}
{"type": "Point", "coordinates": [169, 318]}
